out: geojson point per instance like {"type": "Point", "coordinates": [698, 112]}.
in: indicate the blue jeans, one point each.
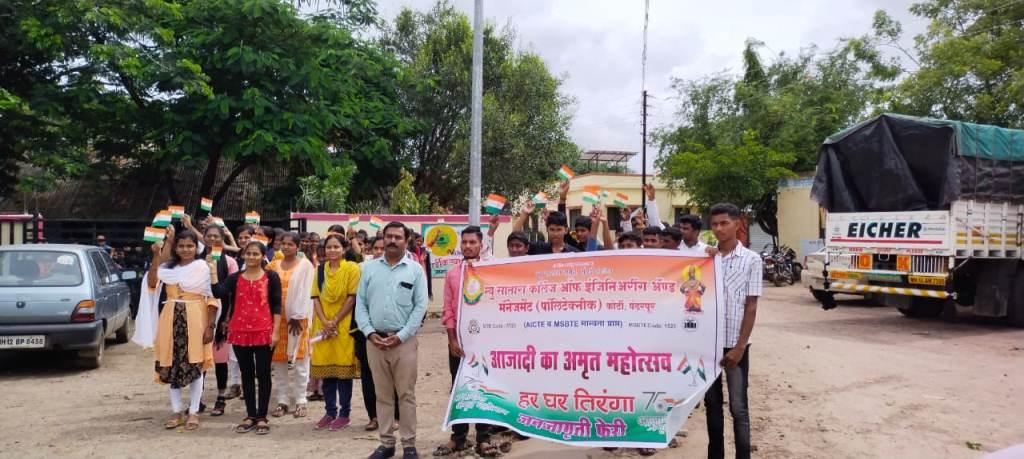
{"type": "Point", "coordinates": [737, 379]}
{"type": "Point", "coordinates": [338, 391]}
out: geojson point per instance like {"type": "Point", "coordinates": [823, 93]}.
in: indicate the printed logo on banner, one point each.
{"type": "Point", "coordinates": [474, 327]}
{"type": "Point", "coordinates": [472, 289]}
{"type": "Point", "coordinates": [690, 323]}
{"type": "Point", "coordinates": [693, 290]}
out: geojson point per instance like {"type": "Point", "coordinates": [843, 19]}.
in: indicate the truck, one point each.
{"type": "Point", "coordinates": [925, 215]}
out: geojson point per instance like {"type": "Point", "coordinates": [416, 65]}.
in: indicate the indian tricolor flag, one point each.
{"type": "Point", "coordinates": [604, 194]}
{"type": "Point", "coordinates": [353, 220]}
{"type": "Point", "coordinates": [176, 211]}
{"type": "Point", "coordinates": [494, 203]}
{"type": "Point", "coordinates": [540, 199]}
{"type": "Point", "coordinates": [206, 204]}
{"type": "Point", "coordinates": [620, 200]}
{"type": "Point", "coordinates": [162, 219]}
{"type": "Point", "coordinates": [252, 217]}
{"type": "Point", "coordinates": [684, 366]}
{"type": "Point", "coordinates": [217, 221]}
{"type": "Point", "coordinates": [565, 173]}
{"type": "Point", "coordinates": [591, 194]}
{"type": "Point", "coordinates": [376, 223]}
{"type": "Point", "coordinates": [262, 240]}
{"type": "Point", "coordinates": [154, 234]}
{"type": "Point", "coordinates": [215, 253]}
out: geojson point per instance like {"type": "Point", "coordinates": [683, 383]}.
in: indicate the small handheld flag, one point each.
{"type": "Point", "coordinates": [252, 217]}
{"type": "Point", "coordinates": [206, 204]}
{"type": "Point", "coordinates": [217, 221]}
{"type": "Point", "coordinates": [565, 173]}
{"type": "Point", "coordinates": [176, 211]}
{"type": "Point", "coordinates": [262, 240]}
{"type": "Point", "coordinates": [376, 223]}
{"type": "Point", "coordinates": [620, 200]}
{"type": "Point", "coordinates": [604, 194]}
{"type": "Point", "coordinates": [162, 219]}
{"type": "Point", "coordinates": [591, 193]}
{"type": "Point", "coordinates": [215, 253]}
{"type": "Point", "coordinates": [494, 203]}
{"type": "Point", "coordinates": [540, 199]}
{"type": "Point", "coordinates": [353, 220]}
{"type": "Point", "coordinates": [154, 234]}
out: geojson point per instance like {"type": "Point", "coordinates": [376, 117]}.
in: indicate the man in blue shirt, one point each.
{"type": "Point", "coordinates": [390, 305]}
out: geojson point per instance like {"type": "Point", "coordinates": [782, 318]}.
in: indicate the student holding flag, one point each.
{"type": "Point", "coordinates": [225, 266]}
{"type": "Point", "coordinates": [292, 353]}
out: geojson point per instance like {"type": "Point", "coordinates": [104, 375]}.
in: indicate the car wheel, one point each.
{"type": "Point", "coordinates": [123, 334]}
{"type": "Point", "coordinates": [92, 358]}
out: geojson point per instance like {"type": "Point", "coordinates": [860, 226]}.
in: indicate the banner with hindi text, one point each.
{"type": "Point", "coordinates": [610, 348]}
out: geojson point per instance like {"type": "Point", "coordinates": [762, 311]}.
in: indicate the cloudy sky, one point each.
{"type": "Point", "coordinates": [595, 46]}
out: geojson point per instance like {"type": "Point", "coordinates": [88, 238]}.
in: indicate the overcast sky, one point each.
{"type": "Point", "coordinates": [595, 46]}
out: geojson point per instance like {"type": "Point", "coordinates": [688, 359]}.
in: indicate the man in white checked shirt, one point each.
{"type": "Point", "coordinates": [741, 275]}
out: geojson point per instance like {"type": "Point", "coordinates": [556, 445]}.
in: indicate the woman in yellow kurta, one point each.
{"type": "Point", "coordinates": [292, 351]}
{"type": "Point", "coordinates": [334, 349]}
{"type": "Point", "coordinates": [184, 326]}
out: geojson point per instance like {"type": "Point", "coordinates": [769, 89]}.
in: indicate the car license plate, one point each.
{"type": "Point", "coordinates": [927, 280]}
{"type": "Point", "coordinates": [22, 342]}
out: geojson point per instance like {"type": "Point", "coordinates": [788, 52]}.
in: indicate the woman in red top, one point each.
{"type": "Point", "coordinates": [252, 298]}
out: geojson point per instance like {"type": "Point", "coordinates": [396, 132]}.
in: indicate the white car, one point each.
{"type": "Point", "coordinates": [813, 275]}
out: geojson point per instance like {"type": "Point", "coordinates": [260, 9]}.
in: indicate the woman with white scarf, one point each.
{"type": "Point", "coordinates": [292, 352]}
{"type": "Point", "coordinates": [181, 330]}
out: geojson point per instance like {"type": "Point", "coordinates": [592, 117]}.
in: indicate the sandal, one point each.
{"type": "Point", "coordinates": [647, 451]}
{"type": "Point", "coordinates": [246, 426]}
{"type": "Point", "coordinates": [300, 411]}
{"type": "Point", "coordinates": [371, 426]}
{"type": "Point", "coordinates": [446, 450]}
{"type": "Point", "coordinates": [262, 426]}
{"type": "Point", "coordinates": [281, 410]}
{"type": "Point", "coordinates": [505, 446]}
{"type": "Point", "coordinates": [193, 422]}
{"type": "Point", "coordinates": [486, 449]}
{"type": "Point", "coordinates": [218, 408]}
{"type": "Point", "coordinates": [175, 422]}
{"type": "Point", "coordinates": [316, 397]}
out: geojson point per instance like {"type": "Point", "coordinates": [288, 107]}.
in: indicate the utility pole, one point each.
{"type": "Point", "coordinates": [476, 121]}
{"type": "Point", "coordinates": [643, 154]}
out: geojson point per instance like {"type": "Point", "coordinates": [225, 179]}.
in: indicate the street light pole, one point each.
{"type": "Point", "coordinates": [476, 121]}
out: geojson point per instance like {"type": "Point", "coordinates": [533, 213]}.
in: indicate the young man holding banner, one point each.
{"type": "Point", "coordinates": [741, 275]}
{"type": "Point", "coordinates": [471, 245]}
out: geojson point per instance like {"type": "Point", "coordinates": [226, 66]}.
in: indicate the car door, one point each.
{"type": "Point", "coordinates": [106, 294]}
{"type": "Point", "coordinates": [120, 289]}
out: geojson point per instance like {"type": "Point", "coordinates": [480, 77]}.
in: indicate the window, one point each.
{"type": "Point", "coordinates": [112, 267]}
{"type": "Point", "coordinates": [36, 268]}
{"type": "Point", "coordinates": [103, 274]}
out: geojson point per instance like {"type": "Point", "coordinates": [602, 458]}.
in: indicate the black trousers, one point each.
{"type": "Point", "coordinates": [366, 379]}
{"type": "Point", "coordinates": [254, 364]}
{"type": "Point", "coordinates": [461, 431]}
{"type": "Point", "coordinates": [737, 379]}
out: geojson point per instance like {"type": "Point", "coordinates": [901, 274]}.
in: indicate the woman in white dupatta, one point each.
{"type": "Point", "coordinates": [184, 326]}
{"type": "Point", "coordinates": [292, 353]}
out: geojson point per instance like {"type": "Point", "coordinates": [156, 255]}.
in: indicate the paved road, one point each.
{"type": "Point", "coordinates": [859, 381]}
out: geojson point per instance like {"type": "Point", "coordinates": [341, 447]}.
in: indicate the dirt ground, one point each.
{"type": "Point", "coordinates": [858, 381]}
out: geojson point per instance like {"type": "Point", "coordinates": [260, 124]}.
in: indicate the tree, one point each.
{"type": "Point", "coordinates": [200, 82]}
{"type": "Point", "coordinates": [525, 118]}
{"type": "Point", "coordinates": [969, 61]}
{"type": "Point", "coordinates": [405, 200]}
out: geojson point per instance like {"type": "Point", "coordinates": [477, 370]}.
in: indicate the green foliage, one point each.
{"type": "Point", "coordinates": [91, 86]}
{"type": "Point", "coordinates": [525, 117]}
{"type": "Point", "coordinates": [405, 200]}
{"type": "Point", "coordinates": [328, 193]}
{"type": "Point", "coordinates": [741, 174]}
{"type": "Point", "coordinates": [581, 167]}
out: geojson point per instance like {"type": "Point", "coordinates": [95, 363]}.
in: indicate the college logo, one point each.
{"type": "Point", "coordinates": [472, 289]}
{"type": "Point", "coordinates": [474, 327]}
{"type": "Point", "coordinates": [690, 323]}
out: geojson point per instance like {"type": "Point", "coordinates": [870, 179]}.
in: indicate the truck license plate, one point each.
{"type": "Point", "coordinates": [927, 280]}
{"type": "Point", "coordinates": [22, 342]}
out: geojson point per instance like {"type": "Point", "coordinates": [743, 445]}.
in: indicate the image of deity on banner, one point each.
{"type": "Point", "coordinates": [693, 290]}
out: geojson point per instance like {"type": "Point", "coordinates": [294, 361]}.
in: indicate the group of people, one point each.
{"type": "Point", "coordinates": [346, 306]}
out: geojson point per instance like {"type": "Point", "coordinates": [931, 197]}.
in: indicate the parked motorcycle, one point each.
{"type": "Point", "coordinates": [779, 267]}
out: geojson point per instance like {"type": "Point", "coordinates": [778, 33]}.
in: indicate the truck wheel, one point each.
{"type": "Point", "coordinates": [818, 295]}
{"type": "Point", "coordinates": [123, 334]}
{"type": "Point", "coordinates": [92, 358]}
{"type": "Point", "coordinates": [923, 308]}
{"type": "Point", "coordinates": [949, 313]}
{"type": "Point", "coordinates": [1015, 304]}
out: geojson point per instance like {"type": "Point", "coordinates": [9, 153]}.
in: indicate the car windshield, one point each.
{"type": "Point", "coordinates": [36, 268]}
